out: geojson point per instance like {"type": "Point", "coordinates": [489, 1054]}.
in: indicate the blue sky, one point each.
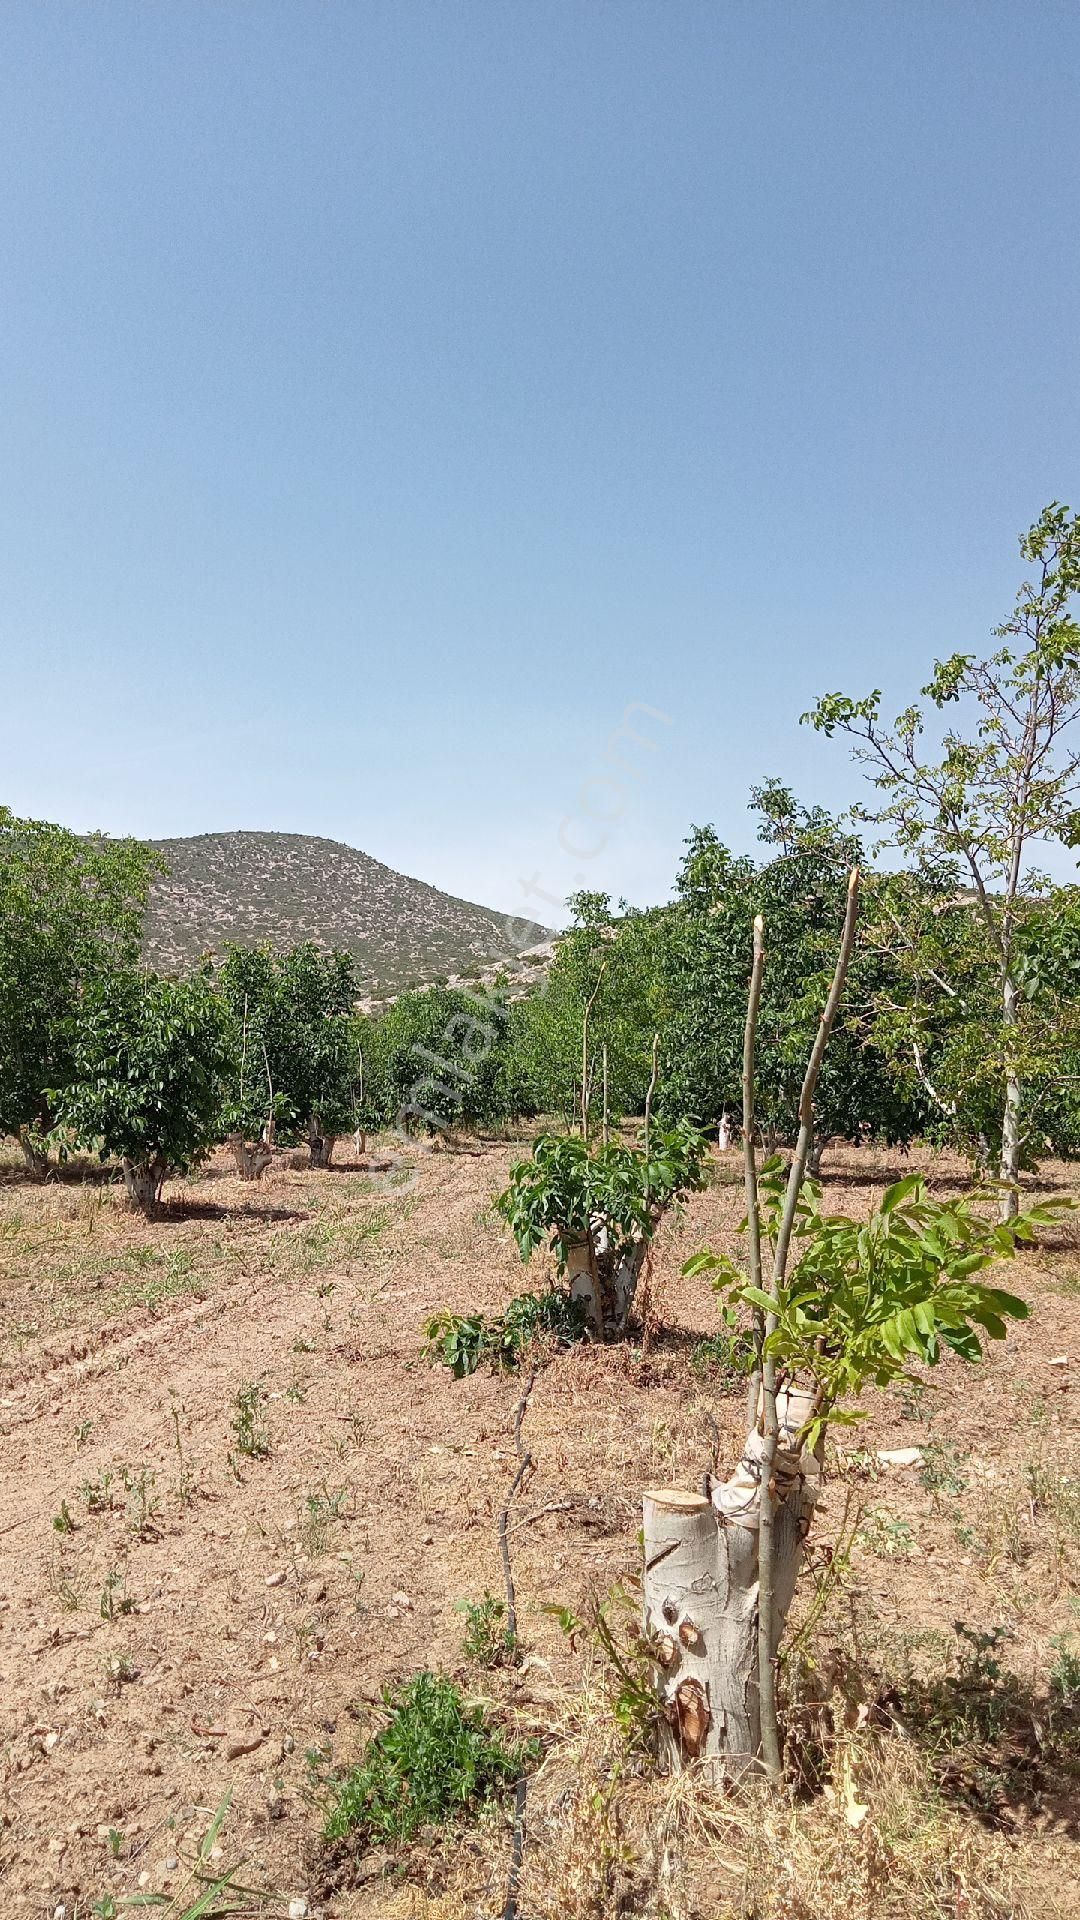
{"type": "Point", "coordinates": [392, 395]}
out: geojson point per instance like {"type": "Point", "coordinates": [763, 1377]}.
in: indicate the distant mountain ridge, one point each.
{"type": "Point", "coordinates": [286, 887]}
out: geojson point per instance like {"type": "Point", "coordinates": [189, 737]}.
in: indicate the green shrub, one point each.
{"type": "Point", "coordinates": [487, 1639]}
{"type": "Point", "coordinates": [463, 1342]}
{"type": "Point", "coordinates": [434, 1760]}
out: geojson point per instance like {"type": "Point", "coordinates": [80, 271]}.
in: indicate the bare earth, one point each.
{"type": "Point", "coordinates": [213, 1617]}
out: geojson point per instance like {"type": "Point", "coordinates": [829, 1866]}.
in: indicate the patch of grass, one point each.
{"type": "Point", "coordinates": [435, 1760]}
{"type": "Point", "coordinates": [463, 1342]}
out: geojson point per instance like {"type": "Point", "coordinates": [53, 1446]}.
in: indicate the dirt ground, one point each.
{"type": "Point", "coordinates": [181, 1621]}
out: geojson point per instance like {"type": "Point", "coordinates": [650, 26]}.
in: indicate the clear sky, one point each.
{"type": "Point", "coordinates": [393, 394]}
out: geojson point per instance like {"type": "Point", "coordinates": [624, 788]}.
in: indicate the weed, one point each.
{"type": "Point", "coordinates": [1065, 1673]}
{"type": "Point", "coordinates": [252, 1438]}
{"type": "Point", "coordinates": [858, 1463]}
{"type": "Point", "coordinates": [486, 1640]}
{"type": "Point", "coordinates": [143, 1504]}
{"type": "Point", "coordinates": [887, 1535]}
{"type": "Point", "coordinates": [462, 1342]}
{"type": "Point", "coordinates": [98, 1493]}
{"type": "Point", "coordinates": [116, 1842]}
{"type": "Point", "coordinates": [436, 1758]}
{"type": "Point", "coordinates": [63, 1521]}
{"type": "Point", "coordinates": [185, 1479]}
{"type": "Point", "coordinates": [113, 1600]}
{"type": "Point", "coordinates": [321, 1509]}
{"type": "Point", "coordinates": [942, 1469]}
{"type": "Point", "coordinates": [120, 1671]}
{"type": "Point", "coordinates": [211, 1893]}
{"type": "Point", "coordinates": [1054, 1491]}
{"type": "Point", "coordinates": [296, 1392]}
{"type": "Point", "coordinates": [912, 1394]}
{"type": "Point", "coordinates": [302, 1345]}
{"type": "Point", "coordinates": [82, 1434]}
{"type": "Point", "coordinates": [64, 1584]}
{"type": "Point", "coordinates": [727, 1356]}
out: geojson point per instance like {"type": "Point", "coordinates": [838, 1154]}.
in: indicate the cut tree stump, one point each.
{"type": "Point", "coordinates": [700, 1595]}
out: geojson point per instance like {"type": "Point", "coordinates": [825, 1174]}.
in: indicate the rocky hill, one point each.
{"type": "Point", "coordinates": [285, 887]}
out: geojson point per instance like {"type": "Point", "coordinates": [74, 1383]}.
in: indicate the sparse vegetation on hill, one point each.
{"type": "Point", "coordinates": [284, 888]}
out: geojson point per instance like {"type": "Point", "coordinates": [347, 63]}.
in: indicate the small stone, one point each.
{"type": "Point", "coordinates": [900, 1456]}
{"type": "Point", "coordinates": [297, 1909]}
{"type": "Point", "coordinates": [275, 1579]}
{"type": "Point", "coordinates": [144, 1877]}
{"type": "Point", "coordinates": [402, 1600]}
{"type": "Point", "coordinates": [51, 1742]}
{"type": "Point", "coordinates": [1059, 1360]}
{"type": "Point", "coordinates": [171, 1863]}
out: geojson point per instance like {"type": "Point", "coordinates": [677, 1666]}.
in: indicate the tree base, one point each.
{"type": "Point", "coordinates": [321, 1147]}
{"type": "Point", "coordinates": [144, 1180]}
{"type": "Point", "coordinates": [251, 1160]}
{"type": "Point", "coordinates": [37, 1160]}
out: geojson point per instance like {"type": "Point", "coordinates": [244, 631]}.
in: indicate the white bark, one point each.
{"type": "Point", "coordinates": [701, 1596]}
{"type": "Point", "coordinates": [144, 1180]}
{"type": "Point", "coordinates": [605, 1280]}
{"type": "Point", "coordinates": [252, 1160]}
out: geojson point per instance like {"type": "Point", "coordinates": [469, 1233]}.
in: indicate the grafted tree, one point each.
{"type": "Point", "coordinates": [1002, 782]}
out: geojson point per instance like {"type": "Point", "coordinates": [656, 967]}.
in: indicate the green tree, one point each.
{"type": "Point", "coordinates": [1002, 783]}
{"type": "Point", "coordinates": [800, 893]}
{"type": "Point", "coordinates": [294, 1059]}
{"type": "Point", "coordinates": [442, 1060]}
{"type": "Point", "coordinates": [146, 1087]}
{"type": "Point", "coordinates": [71, 911]}
{"type": "Point", "coordinates": [602, 998]}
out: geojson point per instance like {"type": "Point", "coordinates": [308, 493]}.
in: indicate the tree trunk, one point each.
{"type": "Point", "coordinates": [607, 1282]}
{"type": "Point", "coordinates": [1010, 1128]}
{"type": "Point", "coordinates": [701, 1597]}
{"type": "Point", "coordinates": [816, 1155]}
{"type": "Point", "coordinates": [37, 1160]}
{"type": "Point", "coordinates": [251, 1160]}
{"type": "Point", "coordinates": [321, 1144]}
{"type": "Point", "coordinates": [144, 1180]}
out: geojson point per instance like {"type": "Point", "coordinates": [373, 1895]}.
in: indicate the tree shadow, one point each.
{"type": "Point", "coordinates": [175, 1212]}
